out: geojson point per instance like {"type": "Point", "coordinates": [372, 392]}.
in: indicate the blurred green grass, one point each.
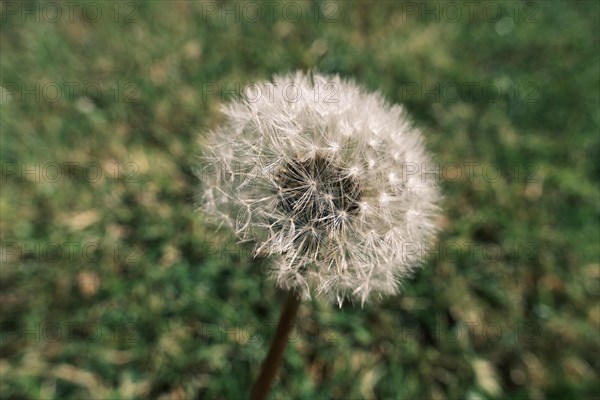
{"type": "Point", "coordinates": [152, 303]}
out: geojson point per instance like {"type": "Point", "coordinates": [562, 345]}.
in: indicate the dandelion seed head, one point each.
{"type": "Point", "coordinates": [320, 186]}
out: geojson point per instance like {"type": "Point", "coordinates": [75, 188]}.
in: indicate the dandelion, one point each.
{"type": "Point", "coordinates": [329, 181]}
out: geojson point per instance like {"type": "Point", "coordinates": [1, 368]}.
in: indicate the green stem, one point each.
{"type": "Point", "coordinates": [263, 384]}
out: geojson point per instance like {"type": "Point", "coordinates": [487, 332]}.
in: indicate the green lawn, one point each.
{"type": "Point", "coordinates": [113, 287]}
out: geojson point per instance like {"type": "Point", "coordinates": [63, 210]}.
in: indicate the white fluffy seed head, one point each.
{"type": "Point", "coordinates": [326, 179]}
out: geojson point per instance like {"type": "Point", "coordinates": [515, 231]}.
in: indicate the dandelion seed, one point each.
{"type": "Point", "coordinates": [321, 186]}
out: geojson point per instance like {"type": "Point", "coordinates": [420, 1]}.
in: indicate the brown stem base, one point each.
{"type": "Point", "coordinates": [263, 384]}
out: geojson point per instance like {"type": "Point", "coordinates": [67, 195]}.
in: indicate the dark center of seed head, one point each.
{"type": "Point", "coordinates": [315, 190]}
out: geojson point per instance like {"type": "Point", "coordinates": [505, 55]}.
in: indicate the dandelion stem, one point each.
{"type": "Point", "coordinates": [262, 386]}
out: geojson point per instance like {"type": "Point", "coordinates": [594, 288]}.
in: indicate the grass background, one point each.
{"type": "Point", "coordinates": [112, 286]}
